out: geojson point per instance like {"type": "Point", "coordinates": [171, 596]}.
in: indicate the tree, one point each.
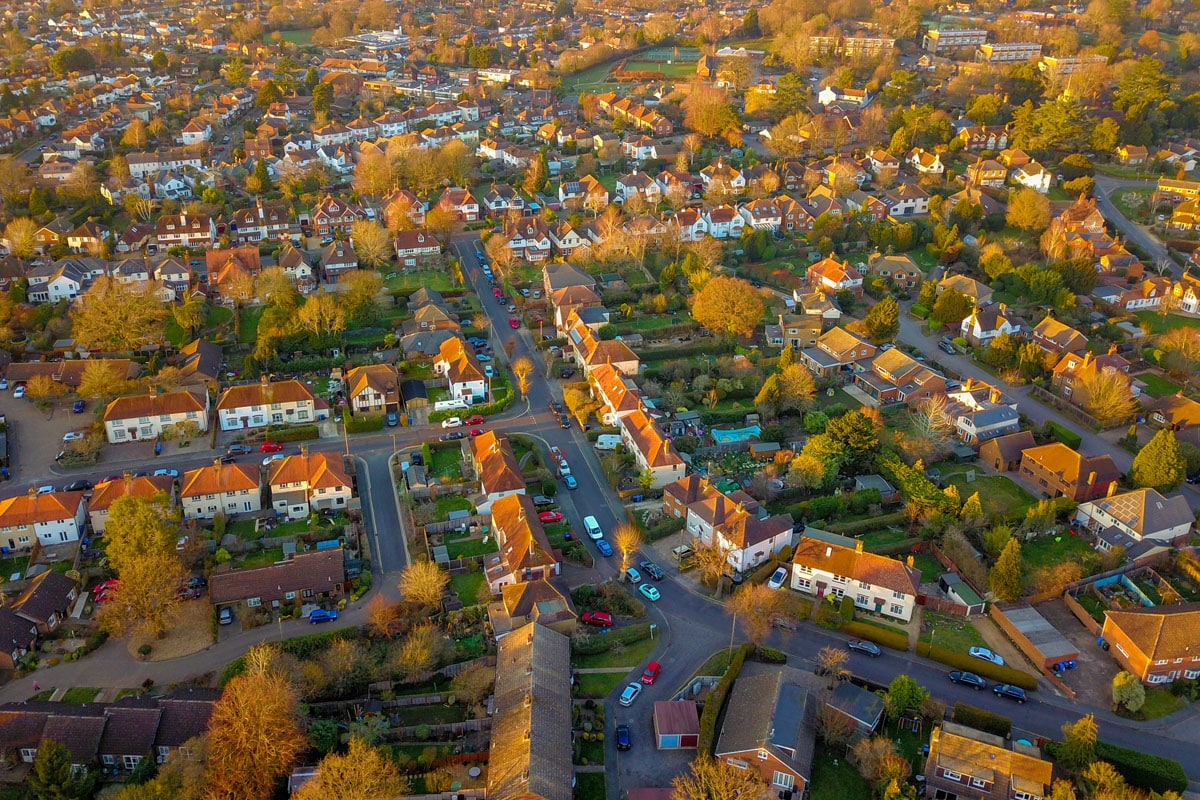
{"type": "Point", "coordinates": [712, 560]}
{"type": "Point", "coordinates": [717, 780]}
{"type": "Point", "coordinates": [262, 177]}
{"type": "Point", "coordinates": [796, 387]}
{"type": "Point", "coordinates": [537, 174]}
{"type": "Point", "coordinates": [1061, 790]}
{"type": "Point", "coordinates": [755, 604]}
{"type": "Point", "coordinates": [728, 305]}
{"type": "Point", "coordinates": [190, 314]}
{"type": "Point", "coordinates": [1004, 579]}
{"type": "Point", "coordinates": [856, 436]}
{"type": "Point", "coordinates": [473, 684]}
{"type": "Point", "coordinates": [100, 378]}
{"type": "Point", "coordinates": [708, 112]}
{"type": "Point", "coordinates": [419, 651]}
{"type": "Point", "coordinates": [770, 392]}
{"type": "Point", "coordinates": [1128, 692]}
{"type": "Point", "coordinates": [523, 369]}
{"type": "Point", "coordinates": [361, 295]}
{"type": "Point", "coordinates": [21, 234]}
{"type": "Point", "coordinates": [870, 754]}
{"type": "Point", "coordinates": [118, 316]}
{"type": "Point", "coordinates": [51, 777]}
{"type": "Point", "coordinates": [254, 737]}
{"type": "Point", "coordinates": [268, 94]}
{"type": "Point", "coordinates": [1079, 743]}
{"type": "Point", "coordinates": [275, 287]}
{"type": "Point", "coordinates": [903, 694]}
{"type": "Point", "coordinates": [932, 425]}
{"type": "Point", "coordinates": [1108, 397]}
{"type": "Point", "coordinates": [322, 97]}
{"type": "Point", "coordinates": [424, 582]}
{"type": "Point", "coordinates": [1105, 136]}
{"type": "Point", "coordinates": [235, 71]}
{"type": "Point", "coordinates": [361, 773]}
{"type": "Point", "coordinates": [1159, 464]}
{"type": "Point", "coordinates": [322, 315]}
{"type": "Point", "coordinates": [882, 322]}
{"type": "Point", "coordinates": [15, 181]}
{"type": "Point", "coordinates": [372, 243]}
{"type": "Point", "coordinates": [951, 307]}
{"type": "Point", "coordinates": [146, 597]}
{"type": "Point", "coordinates": [628, 539]}
{"type": "Point", "coordinates": [831, 662]}
{"type": "Point", "coordinates": [1029, 210]}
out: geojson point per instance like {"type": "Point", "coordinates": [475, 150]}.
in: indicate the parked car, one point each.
{"type": "Point", "coordinates": [651, 569]}
{"type": "Point", "coordinates": [3, 384]}
{"type": "Point", "coordinates": [778, 578]}
{"type": "Point", "coordinates": [166, 473]}
{"type": "Point", "coordinates": [570, 481]}
{"type": "Point", "coordinates": [649, 591]}
{"type": "Point", "coordinates": [452, 422]}
{"type": "Point", "coordinates": [238, 449]}
{"type": "Point", "coordinates": [986, 655]}
{"type": "Point", "coordinates": [78, 406]}
{"type": "Point", "coordinates": [946, 347]}
{"type": "Point", "coordinates": [601, 619]}
{"type": "Point", "coordinates": [541, 500]}
{"type": "Point", "coordinates": [73, 436]}
{"type": "Point", "coordinates": [968, 679]}
{"type": "Point", "coordinates": [270, 447]}
{"type": "Point", "coordinates": [604, 547]}
{"type": "Point", "coordinates": [483, 359]}
{"type": "Point", "coordinates": [566, 373]}
{"type": "Point", "coordinates": [78, 486]}
{"type": "Point", "coordinates": [452, 435]}
{"type": "Point", "coordinates": [104, 586]}
{"type": "Point", "coordinates": [550, 516]}
{"type": "Point", "coordinates": [225, 617]}
{"type": "Point", "coordinates": [1009, 691]}
{"type": "Point", "coordinates": [47, 489]}
{"type": "Point", "coordinates": [650, 673]}
{"type": "Point", "coordinates": [266, 462]}
{"type": "Point", "coordinates": [863, 646]}
{"type": "Point", "coordinates": [319, 615]}
{"type": "Point", "coordinates": [633, 576]}
{"type": "Point", "coordinates": [489, 370]}
{"type": "Point", "coordinates": [514, 323]}
{"type": "Point", "coordinates": [474, 419]}
{"type": "Point", "coordinates": [391, 419]}
{"type": "Point", "coordinates": [19, 392]}
{"type": "Point", "coordinates": [475, 432]}
{"type": "Point", "coordinates": [624, 741]}
{"type": "Point", "coordinates": [630, 694]}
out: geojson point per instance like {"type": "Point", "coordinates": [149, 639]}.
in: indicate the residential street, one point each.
{"type": "Point", "coordinates": [1105, 187]}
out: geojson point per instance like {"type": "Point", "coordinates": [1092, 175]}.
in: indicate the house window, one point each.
{"type": "Point", "coordinates": [108, 760]}
{"type": "Point", "coordinates": [803, 583]}
{"type": "Point", "coordinates": [28, 754]}
{"type": "Point", "coordinates": [864, 585]}
{"type": "Point", "coordinates": [307, 593]}
{"type": "Point", "coordinates": [896, 610]}
{"type": "Point", "coordinates": [784, 779]}
{"type": "Point", "coordinates": [762, 755]}
{"type": "Point", "coordinates": [132, 761]}
{"type": "Point", "coordinates": [289, 595]}
{"type": "Point", "coordinates": [951, 775]}
{"type": "Point", "coordinates": [254, 602]}
{"type": "Point", "coordinates": [898, 595]}
{"type": "Point", "coordinates": [736, 762]}
{"type": "Point", "coordinates": [978, 783]}
{"type": "Point", "coordinates": [806, 569]}
{"type": "Point", "coordinates": [862, 600]}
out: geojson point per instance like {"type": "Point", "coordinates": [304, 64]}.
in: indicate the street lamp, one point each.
{"type": "Point", "coordinates": [732, 630]}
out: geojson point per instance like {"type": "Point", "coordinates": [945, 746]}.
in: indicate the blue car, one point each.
{"type": "Point", "coordinates": [570, 481]}
{"type": "Point", "coordinates": [77, 407]}
{"type": "Point", "coordinates": [604, 547]}
{"type": "Point", "coordinates": [319, 615]}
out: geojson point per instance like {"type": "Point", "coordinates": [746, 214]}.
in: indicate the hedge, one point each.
{"type": "Point", "coordinates": [716, 699]}
{"type": "Point", "coordinates": [891, 639]}
{"type": "Point", "coordinates": [996, 672]}
{"type": "Point", "coordinates": [1139, 769]}
{"type": "Point", "coordinates": [982, 719]}
{"type": "Point", "coordinates": [761, 574]}
{"type": "Point", "coordinates": [364, 423]}
{"type": "Point", "coordinates": [1060, 434]}
{"type": "Point", "coordinates": [662, 530]}
{"type": "Point", "coordinates": [919, 311]}
{"type": "Point", "coordinates": [769, 655]}
{"type": "Point", "coordinates": [294, 433]}
{"type": "Point", "coordinates": [858, 526]}
{"type": "Point", "coordinates": [505, 400]}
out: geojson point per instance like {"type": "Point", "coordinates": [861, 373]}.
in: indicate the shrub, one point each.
{"type": "Point", "coordinates": [769, 655]}
{"type": "Point", "coordinates": [919, 311]}
{"type": "Point", "coordinates": [894, 640]}
{"type": "Point", "coordinates": [596, 644]}
{"type": "Point", "coordinates": [294, 433]}
{"type": "Point", "coordinates": [996, 672]}
{"type": "Point", "coordinates": [764, 572]}
{"type": "Point", "coordinates": [364, 423]}
{"type": "Point", "coordinates": [144, 650]}
{"type": "Point", "coordinates": [716, 699]}
{"type": "Point", "coordinates": [982, 719]}
{"type": "Point", "coordinates": [663, 529]}
{"type": "Point", "coordinates": [1060, 434]}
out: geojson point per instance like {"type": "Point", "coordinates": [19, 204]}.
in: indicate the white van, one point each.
{"type": "Point", "coordinates": [608, 441]}
{"type": "Point", "coordinates": [446, 405]}
{"type": "Point", "coordinates": [593, 528]}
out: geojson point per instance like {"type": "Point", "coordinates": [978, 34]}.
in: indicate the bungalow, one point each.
{"type": "Point", "coordinates": [51, 518]}
{"type": "Point", "coordinates": [770, 728]}
{"type": "Point", "coordinates": [1140, 514]}
{"type": "Point", "coordinates": [313, 577]}
{"type": "Point", "coordinates": [144, 486]}
{"type": "Point", "coordinates": [828, 564]}
{"type": "Point", "coordinates": [257, 405]}
{"type": "Point", "coordinates": [151, 415]}
{"type": "Point", "coordinates": [309, 483]}
{"type": "Point", "coordinates": [651, 450]}
{"type": "Point", "coordinates": [220, 489]}
{"type": "Point", "coordinates": [496, 467]}
{"type": "Point", "coordinates": [525, 551]}
{"type": "Point", "coordinates": [372, 389]}
{"type": "Point", "coordinates": [1059, 471]}
{"type": "Point", "coordinates": [46, 600]}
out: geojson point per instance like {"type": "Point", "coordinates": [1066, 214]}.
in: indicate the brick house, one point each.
{"type": "Point", "coordinates": [1158, 644]}
{"type": "Point", "coordinates": [314, 577]}
{"type": "Point", "coordinates": [1058, 471]}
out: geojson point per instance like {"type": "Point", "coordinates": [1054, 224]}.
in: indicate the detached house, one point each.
{"type": "Point", "coordinates": [416, 246]}
{"type": "Point", "coordinates": [496, 467]}
{"type": "Point", "coordinates": [1141, 514]}
{"type": "Point", "coordinates": [150, 415]}
{"type": "Point", "coordinates": [525, 551]}
{"type": "Point", "coordinates": [460, 203]}
{"type": "Point", "coordinates": [185, 230]}
{"type": "Point", "coordinates": [220, 489]}
{"type": "Point", "coordinates": [894, 376]}
{"type": "Point", "coordinates": [527, 238]}
{"type": "Point", "coordinates": [735, 522]}
{"type": "Point", "coordinates": [985, 323]}
{"type": "Point", "coordinates": [372, 389]}
{"type": "Point", "coordinates": [967, 763]}
{"type": "Point", "coordinates": [309, 484]}
{"type": "Point", "coordinates": [831, 276]}
{"type": "Point", "coordinates": [1074, 374]}
{"type": "Point", "coordinates": [258, 405]}
{"type": "Point", "coordinates": [826, 564]}
{"type": "Point", "coordinates": [1058, 338]}
{"type": "Point", "coordinates": [770, 728]}
{"type": "Point", "coordinates": [651, 449]}
{"type": "Point", "coordinates": [466, 377]}
{"type": "Point", "coordinates": [1059, 471]}
{"type": "Point", "coordinates": [1158, 644]}
{"type": "Point", "coordinates": [335, 216]}
{"type": "Point", "coordinates": [837, 351]}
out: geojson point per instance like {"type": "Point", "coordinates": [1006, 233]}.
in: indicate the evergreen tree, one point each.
{"type": "Point", "coordinates": [51, 778]}
{"type": "Point", "coordinates": [1079, 743]}
{"type": "Point", "coordinates": [1005, 578]}
{"type": "Point", "coordinates": [769, 394]}
{"type": "Point", "coordinates": [1160, 464]}
{"type": "Point", "coordinates": [264, 177]}
{"type": "Point", "coordinates": [787, 357]}
{"type": "Point", "coordinates": [883, 321]}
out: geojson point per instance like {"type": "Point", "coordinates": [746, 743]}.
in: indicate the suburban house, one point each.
{"type": "Point", "coordinates": [979, 292]}
{"type": "Point", "coordinates": [308, 484]}
{"type": "Point", "coordinates": [462, 370]}
{"type": "Point", "coordinates": [894, 376]}
{"type": "Point", "coordinates": [525, 552]}
{"type": "Point", "coordinates": [220, 489]}
{"type": "Point", "coordinates": [46, 601]}
{"type": "Point", "coordinates": [18, 637]}
{"type": "Point", "coordinates": [532, 603]}
{"type": "Point", "coordinates": [415, 247]}
{"type": "Point", "coordinates": [338, 259]}
{"type": "Point", "coordinates": [735, 522]}
{"type": "Point", "coordinates": [1057, 337]}
{"type": "Point", "coordinates": [618, 394]}
{"type": "Point", "coordinates": [838, 350]}
{"type": "Point", "coordinates": [257, 405]}
{"type": "Point", "coordinates": [827, 564]}
{"type": "Point", "coordinates": [1003, 453]}
{"type": "Point", "coordinates": [50, 518]}
{"type": "Point", "coordinates": [151, 415]}
{"type": "Point", "coordinates": [496, 467]}
{"type": "Point", "coordinates": [770, 727]}
{"type": "Point", "coordinates": [591, 351]}
{"type": "Point", "coordinates": [925, 162]}
{"type": "Point", "coordinates": [459, 203]}
{"type": "Point", "coordinates": [981, 412]}
{"type": "Point", "coordinates": [108, 492]}
{"type": "Point", "coordinates": [372, 389]}
{"type": "Point", "coordinates": [1058, 471]}
{"type": "Point", "coordinates": [1158, 644]}
{"type": "Point", "coordinates": [796, 331]}
{"type": "Point", "coordinates": [985, 323]}
{"type": "Point", "coordinates": [531, 744]}
{"type": "Point", "coordinates": [899, 269]}
{"type": "Point", "coordinates": [650, 448]}
{"type": "Point", "coordinates": [863, 708]}
{"type": "Point", "coordinates": [184, 230]}
{"type": "Point", "coordinates": [314, 577]}
{"type": "Point", "coordinates": [332, 216]}
{"type": "Point", "coordinates": [1179, 414]}
{"type": "Point", "coordinates": [970, 764]}
{"type": "Point", "coordinates": [1074, 374]}
{"type": "Point", "coordinates": [832, 276]}
{"type": "Point", "coordinates": [1139, 514]}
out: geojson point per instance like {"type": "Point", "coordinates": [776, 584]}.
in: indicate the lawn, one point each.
{"type": "Point", "coordinates": [1047, 551]}
{"type": "Point", "coordinates": [716, 664]}
{"type": "Point", "coordinates": [471, 547]}
{"type": "Point", "coordinates": [16, 565]}
{"type": "Point", "coordinates": [261, 558]}
{"type": "Point", "coordinates": [77, 695]}
{"type": "Point", "coordinates": [999, 495]}
{"type": "Point", "coordinates": [949, 632]}
{"type": "Point", "coordinates": [835, 778]}
{"type": "Point", "coordinates": [628, 656]}
{"type": "Point", "coordinates": [884, 537]}
{"type": "Point", "coordinates": [1160, 702]}
{"type": "Point", "coordinates": [590, 786]}
{"type": "Point", "coordinates": [1132, 202]}
{"type": "Point", "coordinates": [242, 529]}
{"type": "Point", "coordinates": [407, 282]}
{"type": "Point", "coordinates": [429, 715]}
{"type": "Point", "coordinates": [929, 566]}
{"type": "Point", "coordinates": [446, 463]}
{"type": "Point", "coordinates": [600, 684]}
{"type": "Point", "coordinates": [679, 69]}
{"type": "Point", "coordinates": [452, 502]}
{"type": "Point", "coordinates": [1160, 323]}
{"type": "Point", "coordinates": [467, 586]}
{"type": "Point", "coordinates": [1157, 385]}
{"type": "Point", "coordinates": [591, 753]}
{"type": "Point", "coordinates": [250, 318]}
{"type": "Point", "coordinates": [584, 77]}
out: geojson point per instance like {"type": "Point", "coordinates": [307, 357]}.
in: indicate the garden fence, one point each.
{"type": "Point", "coordinates": [455, 524]}
{"type": "Point", "coordinates": [453, 728]}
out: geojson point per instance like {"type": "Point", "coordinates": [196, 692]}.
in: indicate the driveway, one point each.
{"type": "Point", "coordinates": [35, 438]}
{"type": "Point", "coordinates": [1092, 678]}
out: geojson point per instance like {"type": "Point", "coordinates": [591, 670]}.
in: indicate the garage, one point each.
{"type": "Point", "coordinates": [676, 724]}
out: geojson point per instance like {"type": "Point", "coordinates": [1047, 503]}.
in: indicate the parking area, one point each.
{"type": "Point", "coordinates": [1092, 678]}
{"type": "Point", "coordinates": [35, 436]}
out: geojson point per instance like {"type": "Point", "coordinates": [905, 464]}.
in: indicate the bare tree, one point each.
{"type": "Point", "coordinates": [372, 242]}
{"type": "Point", "coordinates": [834, 727]}
{"type": "Point", "coordinates": [712, 560]}
{"type": "Point", "coordinates": [831, 662]}
{"type": "Point", "coordinates": [523, 369]}
{"type": "Point", "coordinates": [419, 652]}
{"type": "Point", "coordinates": [755, 605]}
{"type": "Point", "coordinates": [627, 539]}
{"type": "Point", "coordinates": [1108, 397]}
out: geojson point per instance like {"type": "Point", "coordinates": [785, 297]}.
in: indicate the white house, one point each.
{"type": "Point", "coordinates": [1140, 514]}
{"type": "Point", "coordinates": [50, 518]}
{"type": "Point", "coordinates": [1032, 175]}
{"type": "Point", "coordinates": [466, 378]}
{"type": "Point", "coordinates": [724, 222]}
{"type": "Point", "coordinates": [496, 467]}
{"type": "Point", "coordinates": [650, 448]}
{"type": "Point", "coordinates": [148, 416]}
{"type": "Point", "coordinates": [827, 565]}
{"type": "Point", "coordinates": [739, 525]}
{"type": "Point", "coordinates": [220, 489]}
{"type": "Point", "coordinates": [987, 322]}
{"type": "Point", "coordinates": [256, 405]}
{"type": "Point", "coordinates": [309, 483]}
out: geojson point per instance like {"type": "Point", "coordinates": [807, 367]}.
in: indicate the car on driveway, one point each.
{"type": "Point", "coordinates": [601, 619]}
{"type": "Point", "coordinates": [319, 615]}
{"type": "Point", "coordinates": [630, 694]}
{"type": "Point", "coordinates": [778, 578]}
{"type": "Point", "coordinates": [651, 569]}
{"type": "Point", "coordinates": [968, 679]}
{"type": "Point", "coordinates": [452, 422]}
{"type": "Point", "coordinates": [570, 481]}
{"type": "Point", "coordinates": [270, 447]}
{"type": "Point", "coordinates": [624, 741]}
{"type": "Point", "coordinates": [650, 673]}
{"type": "Point", "coordinates": [986, 655]}
{"type": "Point", "coordinates": [78, 406]}
{"type": "Point", "coordinates": [550, 516]}
{"type": "Point", "coordinates": [73, 436]}
{"type": "Point", "coordinates": [19, 392]}
{"type": "Point", "coordinates": [1009, 691]}
{"type": "Point", "coordinates": [863, 646]}
{"type": "Point", "coordinates": [225, 617]}
{"type": "Point", "coordinates": [649, 591]}
{"type": "Point", "coordinates": [604, 547]}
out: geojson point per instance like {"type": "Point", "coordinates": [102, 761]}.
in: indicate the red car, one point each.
{"type": "Point", "coordinates": [550, 516]}
{"type": "Point", "coordinates": [513, 323]}
{"type": "Point", "coordinates": [111, 583]}
{"type": "Point", "coordinates": [474, 419]}
{"type": "Point", "coordinates": [496, 291]}
{"type": "Point", "coordinates": [270, 447]}
{"type": "Point", "coordinates": [475, 432]}
{"type": "Point", "coordinates": [601, 619]}
{"type": "Point", "coordinates": [650, 674]}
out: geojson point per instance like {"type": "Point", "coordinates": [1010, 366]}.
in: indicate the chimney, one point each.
{"type": "Point", "coordinates": [263, 380]}
{"type": "Point", "coordinates": [33, 492]}
{"type": "Point", "coordinates": [994, 395]}
{"type": "Point", "coordinates": [304, 450]}
{"type": "Point", "coordinates": [153, 391]}
{"type": "Point", "coordinates": [967, 386]}
{"type": "Point", "coordinates": [1091, 478]}
{"type": "Point", "coordinates": [858, 545]}
{"type": "Point", "coordinates": [1112, 489]}
{"type": "Point", "coordinates": [828, 552]}
{"type": "Point", "coordinates": [910, 561]}
{"type": "Point", "coordinates": [1112, 349]}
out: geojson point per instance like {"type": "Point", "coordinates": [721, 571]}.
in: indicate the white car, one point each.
{"type": "Point", "coordinates": [47, 489]}
{"type": "Point", "coordinates": [986, 655]}
{"type": "Point", "coordinates": [271, 459]}
{"type": "Point", "coordinates": [452, 422]}
{"type": "Point", "coordinates": [73, 436]}
{"type": "Point", "coordinates": [166, 473]}
{"type": "Point", "coordinates": [778, 578]}
{"type": "Point", "coordinates": [630, 694]}
{"type": "Point", "coordinates": [19, 392]}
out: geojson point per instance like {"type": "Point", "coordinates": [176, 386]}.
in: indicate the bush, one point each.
{"type": "Point", "coordinates": [919, 311]}
{"type": "Point", "coordinates": [982, 719]}
{"type": "Point", "coordinates": [364, 423]}
{"type": "Point", "coordinates": [663, 529]}
{"type": "Point", "coordinates": [1139, 769]}
{"type": "Point", "coordinates": [716, 699]}
{"type": "Point", "coordinates": [602, 643]}
{"type": "Point", "coordinates": [996, 672]}
{"type": "Point", "coordinates": [764, 572]}
{"type": "Point", "coordinates": [894, 640]}
{"type": "Point", "coordinates": [1060, 434]}
{"type": "Point", "coordinates": [769, 655]}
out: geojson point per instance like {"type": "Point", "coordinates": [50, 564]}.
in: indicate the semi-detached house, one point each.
{"type": "Point", "coordinates": [50, 518]}
{"type": "Point", "coordinates": [651, 449]}
{"type": "Point", "coordinates": [257, 405]}
{"type": "Point", "coordinates": [220, 489]}
{"type": "Point", "coordinates": [309, 483]}
{"type": "Point", "coordinates": [826, 564]}
{"type": "Point", "coordinates": [150, 415]}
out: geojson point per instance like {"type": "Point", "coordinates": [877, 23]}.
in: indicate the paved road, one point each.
{"type": "Point", "coordinates": [1139, 235]}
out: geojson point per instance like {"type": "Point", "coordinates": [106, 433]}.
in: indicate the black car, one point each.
{"type": "Point", "coordinates": [968, 679]}
{"type": "Point", "coordinates": [564, 421]}
{"type": "Point", "coordinates": [1009, 691]}
{"type": "Point", "coordinates": [624, 739]}
{"type": "Point", "coordinates": [863, 646]}
{"type": "Point", "coordinates": [226, 459]}
{"type": "Point", "coordinates": [78, 486]}
{"type": "Point", "coordinates": [947, 347]}
{"type": "Point", "coordinates": [555, 407]}
{"type": "Point", "coordinates": [449, 437]}
{"type": "Point", "coordinates": [566, 373]}
{"type": "Point", "coordinates": [651, 569]}
{"type": "Point", "coordinates": [1194, 479]}
{"type": "Point", "coordinates": [417, 460]}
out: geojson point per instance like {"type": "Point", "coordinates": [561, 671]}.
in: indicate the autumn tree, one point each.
{"type": "Point", "coordinates": [834, 727]}
{"type": "Point", "coordinates": [870, 755]}
{"type": "Point", "coordinates": [832, 663]}
{"type": "Point", "coordinates": [1078, 748]}
{"type": "Point", "coordinates": [141, 549]}
{"type": "Point", "coordinates": [1160, 464]}
{"type": "Point", "coordinates": [1128, 692]}
{"type": "Point", "coordinates": [372, 243]}
{"type": "Point", "coordinates": [100, 378]}
{"type": "Point", "coordinates": [1004, 579]}
{"type": "Point", "coordinates": [473, 684]}
{"type": "Point", "coordinates": [135, 135]}
{"type": "Point", "coordinates": [363, 288]}
{"type": "Point", "coordinates": [729, 306]}
{"type": "Point", "coordinates": [118, 316]}
{"type": "Point", "coordinates": [903, 694]}
{"type": "Point", "coordinates": [708, 112]}
{"type": "Point", "coordinates": [322, 315]}
{"type": "Point", "coordinates": [628, 539]}
{"type": "Point", "coordinates": [419, 652]}
{"type": "Point", "coordinates": [797, 388]}
{"type": "Point", "coordinates": [274, 286]}
{"type": "Point", "coordinates": [53, 778]}
{"type": "Point", "coordinates": [1108, 397]}
{"type": "Point", "coordinates": [932, 427]}
{"type": "Point", "coordinates": [755, 604]}
{"type": "Point", "coordinates": [523, 369]}
{"type": "Point", "coordinates": [254, 737]}
{"type": "Point", "coordinates": [361, 773]}
{"type": "Point", "coordinates": [383, 618]}
{"type": "Point", "coordinates": [712, 560]}
{"type": "Point", "coordinates": [1029, 210]}
{"type": "Point", "coordinates": [717, 780]}
{"type": "Point", "coordinates": [21, 234]}
{"type": "Point", "coordinates": [424, 582]}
